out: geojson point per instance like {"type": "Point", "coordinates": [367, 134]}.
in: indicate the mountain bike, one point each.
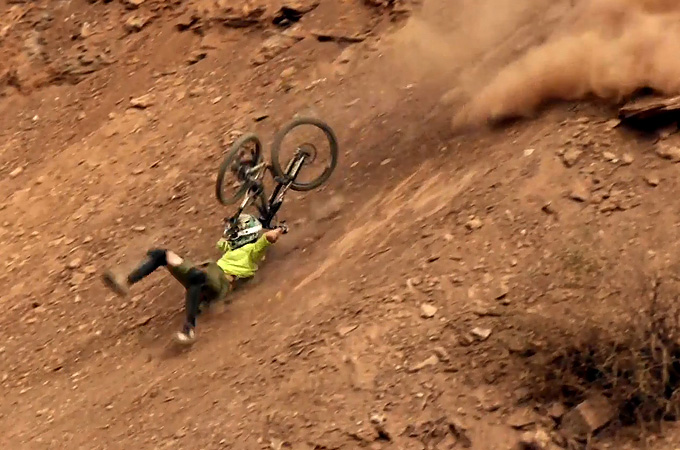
{"type": "Point", "coordinates": [243, 170]}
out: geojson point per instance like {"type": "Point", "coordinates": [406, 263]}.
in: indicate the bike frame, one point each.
{"type": "Point", "coordinates": [268, 208]}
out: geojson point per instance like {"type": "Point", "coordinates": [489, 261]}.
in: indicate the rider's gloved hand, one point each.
{"type": "Point", "coordinates": [283, 227]}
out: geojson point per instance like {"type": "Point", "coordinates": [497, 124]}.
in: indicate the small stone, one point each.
{"type": "Point", "coordinates": [571, 156]}
{"type": "Point", "coordinates": [385, 161]}
{"type": "Point", "coordinates": [429, 362]}
{"type": "Point", "coordinates": [142, 102]}
{"type": "Point", "coordinates": [613, 123]}
{"type": "Point", "coordinates": [528, 151]}
{"type": "Point", "coordinates": [652, 179]}
{"type": "Point", "coordinates": [139, 228]}
{"type": "Point", "coordinates": [474, 224]}
{"type": "Point", "coordinates": [259, 116]}
{"type": "Point", "coordinates": [133, 4]}
{"type": "Point", "coordinates": [627, 159]}
{"type": "Point", "coordinates": [74, 263]}
{"type": "Point", "coordinates": [588, 417]}
{"type": "Point", "coordinates": [501, 290]}
{"type": "Point", "coordinates": [344, 331]}
{"type": "Point", "coordinates": [16, 172]}
{"type": "Point", "coordinates": [441, 353]}
{"type": "Point", "coordinates": [557, 410]}
{"type": "Point", "coordinates": [196, 92]}
{"type": "Point", "coordinates": [87, 239]}
{"type": "Point", "coordinates": [377, 419]}
{"type": "Point", "coordinates": [548, 208]}
{"type": "Point", "coordinates": [466, 340]}
{"type": "Point", "coordinates": [579, 192]}
{"type": "Point", "coordinates": [134, 24]}
{"type": "Point", "coordinates": [668, 152]}
{"type": "Point", "coordinates": [77, 279]}
{"type": "Point", "coordinates": [216, 100]}
{"type": "Point", "coordinates": [196, 56]}
{"type": "Point", "coordinates": [609, 156]}
{"type": "Point", "coordinates": [521, 418]}
{"type": "Point", "coordinates": [427, 311]}
{"type": "Point", "coordinates": [481, 334]}
{"type": "Point", "coordinates": [535, 440]}
{"type": "Point", "coordinates": [288, 72]}
{"type": "Point", "coordinates": [346, 56]}
{"type": "Point", "coordinates": [90, 270]}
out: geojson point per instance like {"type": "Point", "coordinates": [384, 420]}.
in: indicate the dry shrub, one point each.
{"type": "Point", "coordinates": [635, 362]}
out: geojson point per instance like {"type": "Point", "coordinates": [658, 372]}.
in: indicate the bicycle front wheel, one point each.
{"type": "Point", "coordinates": [311, 150]}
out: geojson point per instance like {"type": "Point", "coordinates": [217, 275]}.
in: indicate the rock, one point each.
{"type": "Point", "coordinates": [377, 419]}
{"type": "Point", "coordinates": [535, 440]}
{"type": "Point", "coordinates": [196, 56]}
{"type": "Point", "coordinates": [134, 24]}
{"type": "Point", "coordinates": [571, 156]}
{"type": "Point", "coordinates": [259, 116]}
{"type": "Point", "coordinates": [429, 362]}
{"type": "Point", "coordinates": [441, 353]}
{"type": "Point", "coordinates": [588, 417]}
{"type": "Point", "coordinates": [344, 331]}
{"type": "Point", "coordinates": [186, 21]}
{"type": "Point", "coordinates": [132, 4]}
{"type": "Point", "coordinates": [139, 228]}
{"type": "Point", "coordinates": [652, 179]}
{"type": "Point", "coordinates": [142, 102]}
{"type": "Point", "coordinates": [74, 263]}
{"type": "Point", "coordinates": [292, 12]}
{"type": "Point", "coordinates": [529, 151]}
{"type": "Point", "coordinates": [16, 172]}
{"type": "Point", "coordinates": [274, 46]}
{"type": "Point", "coordinates": [609, 156]}
{"type": "Point", "coordinates": [342, 38]}
{"type": "Point", "coordinates": [77, 279]}
{"type": "Point", "coordinates": [501, 290]}
{"type": "Point", "coordinates": [521, 418]}
{"type": "Point", "coordinates": [627, 159]}
{"type": "Point", "coordinates": [90, 270]}
{"type": "Point", "coordinates": [579, 192]}
{"type": "Point", "coordinates": [481, 334]}
{"type": "Point", "coordinates": [346, 56]}
{"type": "Point", "coordinates": [427, 311]}
{"type": "Point", "coordinates": [612, 123]}
{"type": "Point", "coordinates": [474, 223]}
{"type": "Point", "coordinates": [243, 17]}
{"type": "Point", "coordinates": [668, 152]}
{"type": "Point", "coordinates": [288, 72]}
{"type": "Point", "coordinates": [557, 410]}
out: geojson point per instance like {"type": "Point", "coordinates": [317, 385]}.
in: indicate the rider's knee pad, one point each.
{"type": "Point", "coordinates": [196, 276]}
{"type": "Point", "coordinates": [158, 255]}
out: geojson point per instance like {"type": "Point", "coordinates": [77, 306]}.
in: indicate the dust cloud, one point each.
{"type": "Point", "coordinates": [602, 48]}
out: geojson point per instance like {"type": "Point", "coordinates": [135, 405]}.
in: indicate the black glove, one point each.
{"type": "Point", "coordinates": [283, 227]}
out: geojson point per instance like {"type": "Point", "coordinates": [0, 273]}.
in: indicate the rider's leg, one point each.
{"type": "Point", "coordinates": [155, 258]}
{"type": "Point", "coordinates": [197, 284]}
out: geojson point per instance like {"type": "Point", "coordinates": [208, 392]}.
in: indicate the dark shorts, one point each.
{"type": "Point", "coordinates": [218, 283]}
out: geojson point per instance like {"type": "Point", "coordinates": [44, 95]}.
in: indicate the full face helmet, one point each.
{"type": "Point", "coordinates": [248, 231]}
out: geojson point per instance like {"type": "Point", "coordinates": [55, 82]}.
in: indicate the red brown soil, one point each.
{"type": "Point", "coordinates": [329, 337]}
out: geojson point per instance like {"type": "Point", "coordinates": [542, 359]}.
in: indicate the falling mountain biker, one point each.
{"type": "Point", "coordinates": [208, 281]}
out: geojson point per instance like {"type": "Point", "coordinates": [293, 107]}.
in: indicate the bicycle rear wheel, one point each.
{"type": "Point", "coordinates": [232, 179]}
{"type": "Point", "coordinates": [305, 147]}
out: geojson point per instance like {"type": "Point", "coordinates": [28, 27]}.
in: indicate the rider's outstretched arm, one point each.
{"type": "Point", "coordinates": [273, 235]}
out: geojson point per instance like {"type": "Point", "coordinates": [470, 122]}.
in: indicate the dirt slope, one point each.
{"type": "Point", "coordinates": [395, 313]}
